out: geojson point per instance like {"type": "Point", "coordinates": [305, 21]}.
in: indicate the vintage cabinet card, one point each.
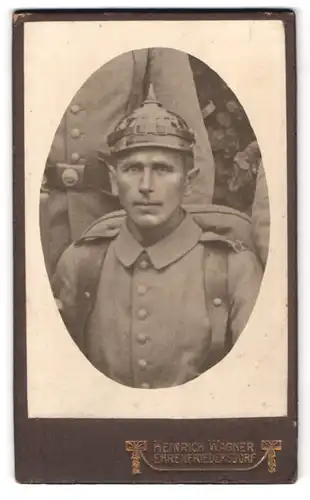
{"type": "Point", "coordinates": [155, 247]}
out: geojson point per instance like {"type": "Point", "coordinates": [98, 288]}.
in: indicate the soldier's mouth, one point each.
{"type": "Point", "coordinates": [147, 203]}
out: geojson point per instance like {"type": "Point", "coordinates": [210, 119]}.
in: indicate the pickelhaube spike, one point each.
{"type": "Point", "coordinates": [151, 125]}
{"type": "Point", "coordinates": [150, 95]}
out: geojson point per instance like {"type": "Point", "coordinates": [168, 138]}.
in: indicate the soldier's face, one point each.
{"type": "Point", "coordinates": [151, 184]}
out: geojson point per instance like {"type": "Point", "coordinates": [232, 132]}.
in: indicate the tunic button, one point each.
{"type": "Point", "coordinates": [141, 289]}
{"type": "Point", "coordinates": [141, 338]}
{"type": "Point", "coordinates": [142, 314]}
{"type": "Point", "coordinates": [142, 363]}
{"type": "Point", "coordinates": [217, 302]}
{"type": "Point", "coordinates": [87, 295]}
{"type": "Point", "coordinates": [145, 385]}
{"type": "Point", "coordinates": [144, 264]}
{"type": "Point", "coordinates": [75, 157]}
{"type": "Point", "coordinates": [75, 108]}
{"type": "Point", "coordinates": [75, 133]}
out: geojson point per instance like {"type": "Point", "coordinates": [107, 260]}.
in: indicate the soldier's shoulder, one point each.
{"type": "Point", "coordinates": [93, 243]}
{"type": "Point", "coordinates": [223, 227]}
{"type": "Point", "coordinates": [105, 228]}
{"type": "Point", "coordinates": [238, 258]}
{"type": "Point", "coordinates": [214, 240]}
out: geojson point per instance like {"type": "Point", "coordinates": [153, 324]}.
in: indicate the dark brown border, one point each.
{"type": "Point", "coordinates": [92, 450]}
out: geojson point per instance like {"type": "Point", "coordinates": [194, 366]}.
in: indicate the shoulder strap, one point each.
{"type": "Point", "coordinates": [217, 300]}
{"type": "Point", "coordinates": [88, 279]}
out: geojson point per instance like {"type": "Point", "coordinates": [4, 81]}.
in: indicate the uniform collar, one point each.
{"type": "Point", "coordinates": [164, 252]}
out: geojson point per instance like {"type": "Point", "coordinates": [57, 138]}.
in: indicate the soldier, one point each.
{"type": "Point", "coordinates": [78, 183]}
{"type": "Point", "coordinates": [155, 295]}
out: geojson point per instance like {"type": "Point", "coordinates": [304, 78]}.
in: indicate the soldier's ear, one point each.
{"type": "Point", "coordinates": [191, 173]}
{"type": "Point", "coordinates": [109, 163]}
{"type": "Point", "coordinates": [113, 181]}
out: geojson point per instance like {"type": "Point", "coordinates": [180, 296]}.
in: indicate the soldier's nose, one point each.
{"type": "Point", "coordinates": [145, 185]}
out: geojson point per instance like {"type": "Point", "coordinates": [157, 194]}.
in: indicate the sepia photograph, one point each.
{"type": "Point", "coordinates": [154, 223]}
{"type": "Point", "coordinates": [158, 223]}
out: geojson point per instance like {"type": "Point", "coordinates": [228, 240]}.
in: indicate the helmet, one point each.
{"type": "Point", "coordinates": [151, 125]}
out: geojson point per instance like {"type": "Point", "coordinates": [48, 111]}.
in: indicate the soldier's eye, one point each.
{"type": "Point", "coordinates": [134, 168]}
{"type": "Point", "coordinates": [161, 168]}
